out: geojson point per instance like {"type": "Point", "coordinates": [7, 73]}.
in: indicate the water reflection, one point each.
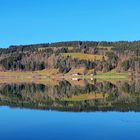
{"type": "Point", "coordinates": [73, 95]}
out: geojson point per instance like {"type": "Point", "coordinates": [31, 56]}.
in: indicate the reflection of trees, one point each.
{"type": "Point", "coordinates": [122, 96]}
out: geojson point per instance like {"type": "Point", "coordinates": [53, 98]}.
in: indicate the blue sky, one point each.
{"type": "Point", "coordinates": [41, 21]}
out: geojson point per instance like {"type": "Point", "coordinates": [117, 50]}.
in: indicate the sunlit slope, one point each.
{"type": "Point", "coordinates": [83, 56]}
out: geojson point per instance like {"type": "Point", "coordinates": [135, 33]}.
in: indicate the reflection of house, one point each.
{"type": "Point", "coordinates": [76, 74]}
{"type": "Point", "coordinates": [75, 79]}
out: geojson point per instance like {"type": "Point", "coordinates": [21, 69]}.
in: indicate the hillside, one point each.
{"type": "Point", "coordinates": [62, 57]}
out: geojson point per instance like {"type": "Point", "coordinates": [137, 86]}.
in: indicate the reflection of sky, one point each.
{"type": "Point", "coordinates": [34, 124]}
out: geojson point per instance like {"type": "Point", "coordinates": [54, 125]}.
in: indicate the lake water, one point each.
{"type": "Point", "coordinates": [23, 124]}
{"type": "Point", "coordinates": [70, 111]}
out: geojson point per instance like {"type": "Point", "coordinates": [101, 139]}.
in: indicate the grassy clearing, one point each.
{"type": "Point", "coordinates": [50, 82]}
{"type": "Point", "coordinates": [90, 96]}
{"type": "Point", "coordinates": [26, 76]}
{"type": "Point", "coordinates": [109, 48]}
{"type": "Point", "coordinates": [15, 74]}
{"type": "Point", "coordinates": [80, 71]}
{"type": "Point", "coordinates": [76, 70]}
{"type": "Point", "coordinates": [111, 75]}
{"type": "Point", "coordinates": [82, 56]}
{"type": "Point", "coordinates": [48, 72]}
{"type": "Point", "coordinates": [44, 72]}
{"type": "Point", "coordinates": [55, 48]}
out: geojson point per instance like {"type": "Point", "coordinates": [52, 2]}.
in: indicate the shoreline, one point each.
{"type": "Point", "coordinates": [39, 76]}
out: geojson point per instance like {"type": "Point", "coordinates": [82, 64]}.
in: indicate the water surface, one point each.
{"type": "Point", "coordinates": [34, 124]}
{"type": "Point", "coordinates": [66, 110]}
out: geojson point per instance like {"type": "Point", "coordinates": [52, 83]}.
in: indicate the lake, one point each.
{"type": "Point", "coordinates": [70, 110]}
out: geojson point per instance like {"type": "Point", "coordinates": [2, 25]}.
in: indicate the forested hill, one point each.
{"type": "Point", "coordinates": [66, 56]}
{"type": "Point", "coordinates": [121, 44]}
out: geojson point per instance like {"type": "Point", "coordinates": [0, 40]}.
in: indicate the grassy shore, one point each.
{"type": "Point", "coordinates": [111, 75]}
{"type": "Point", "coordinates": [42, 76]}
